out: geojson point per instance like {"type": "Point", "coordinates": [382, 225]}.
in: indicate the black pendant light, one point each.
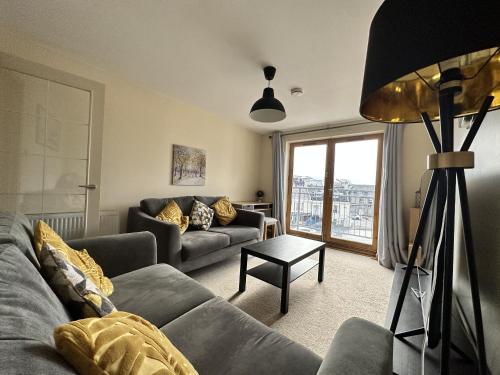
{"type": "Point", "coordinates": [268, 108]}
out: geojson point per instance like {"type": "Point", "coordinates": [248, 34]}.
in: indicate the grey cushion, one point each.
{"type": "Point", "coordinates": [29, 309]}
{"type": "Point", "coordinates": [238, 233]}
{"type": "Point", "coordinates": [158, 293]}
{"type": "Point", "coordinates": [198, 243]}
{"type": "Point", "coordinates": [201, 216]}
{"type": "Point", "coordinates": [153, 206]}
{"type": "Point", "coordinates": [16, 229]}
{"type": "Point", "coordinates": [209, 201]}
{"type": "Point", "coordinates": [359, 347]}
{"type": "Point", "coordinates": [219, 338]}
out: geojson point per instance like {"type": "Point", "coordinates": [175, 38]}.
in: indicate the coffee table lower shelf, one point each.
{"type": "Point", "coordinates": [272, 273]}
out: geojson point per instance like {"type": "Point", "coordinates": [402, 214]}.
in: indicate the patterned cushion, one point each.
{"type": "Point", "coordinates": [120, 343]}
{"type": "Point", "coordinates": [201, 216]}
{"type": "Point", "coordinates": [224, 211]}
{"type": "Point", "coordinates": [172, 213]}
{"type": "Point", "coordinates": [72, 286]}
{"type": "Point", "coordinates": [80, 259]}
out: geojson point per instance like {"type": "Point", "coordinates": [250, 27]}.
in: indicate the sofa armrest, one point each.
{"type": "Point", "coordinates": [119, 253]}
{"type": "Point", "coordinates": [359, 347]}
{"type": "Point", "coordinates": [168, 236]}
{"type": "Point", "coordinates": [250, 219]}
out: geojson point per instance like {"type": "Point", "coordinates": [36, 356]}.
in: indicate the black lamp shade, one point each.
{"type": "Point", "coordinates": [267, 108]}
{"type": "Point", "coordinates": [411, 43]}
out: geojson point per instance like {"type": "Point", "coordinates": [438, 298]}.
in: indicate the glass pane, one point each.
{"type": "Point", "coordinates": [306, 213]}
{"type": "Point", "coordinates": [61, 203]}
{"type": "Point", "coordinates": [69, 103]}
{"type": "Point", "coordinates": [66, 139]}
{"type": "Point", "coordinates": [21, 173]}
{"type": "Point", "coordinates": [62, 176]}
{"type": "Point", "coordinates": [22, 93]}
{"type": "Point", "coordinates": [21, 133]}
{"type": "Point", "coordinates": [24, 203]}
{"type": "Point", "coordinates": [355, 171]}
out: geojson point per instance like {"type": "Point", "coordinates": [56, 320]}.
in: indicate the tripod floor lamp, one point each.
{"type": "Point", "coordinates": [431, 60]}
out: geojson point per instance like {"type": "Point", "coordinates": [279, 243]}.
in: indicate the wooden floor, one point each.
{"type": "Point", "coordinates": [407, 358]}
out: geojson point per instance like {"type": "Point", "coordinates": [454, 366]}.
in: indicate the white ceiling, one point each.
{"type": "Point", "coordinates": [210, 52]}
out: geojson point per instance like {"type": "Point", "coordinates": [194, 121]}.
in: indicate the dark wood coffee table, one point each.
{"type": "Point", "coordinates": [287, 260]}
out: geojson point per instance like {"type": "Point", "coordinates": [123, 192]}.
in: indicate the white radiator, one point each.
{"type": "Point", "coordinates": [71, 225]}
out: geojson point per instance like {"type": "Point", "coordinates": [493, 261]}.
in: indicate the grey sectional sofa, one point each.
{"type": "Point", "coordinates": [215, 336]}
{"type": "Point", "coordinates": [195, 248]}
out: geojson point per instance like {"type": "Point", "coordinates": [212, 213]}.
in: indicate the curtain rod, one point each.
{"type": "Point", "coordinates": [324, 128]}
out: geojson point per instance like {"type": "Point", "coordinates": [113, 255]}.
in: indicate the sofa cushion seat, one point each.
{"type": "Point", "coordinates": [197, 243]}
{"type": "Point", "coordinates": [218, 338]}
{"type": "Point", "coordinates": [238, 233]}
{"type": "Point", "coordinates": [158, 293]}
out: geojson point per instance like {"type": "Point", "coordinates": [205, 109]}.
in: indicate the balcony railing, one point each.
{"type": "Point", "coordinates": [352, 212]}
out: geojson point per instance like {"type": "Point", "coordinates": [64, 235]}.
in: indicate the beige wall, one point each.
{"type": "Point", "coordinates": [140, 127]}
{"type": "Point", "coordinates": [416, 147]}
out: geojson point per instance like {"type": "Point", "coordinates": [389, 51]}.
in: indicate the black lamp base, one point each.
{"type": "Point", "coordinates": [448, 173]}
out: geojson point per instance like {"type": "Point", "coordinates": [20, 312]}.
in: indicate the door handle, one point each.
{"type": "Point", "coordinates": [88, 187]}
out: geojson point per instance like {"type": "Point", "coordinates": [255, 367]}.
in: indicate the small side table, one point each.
{"type": "Point", "coordinates": [270, 223]}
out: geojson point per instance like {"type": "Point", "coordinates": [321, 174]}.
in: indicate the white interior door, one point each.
{"type": "Point", "coordinates": [48, 165]}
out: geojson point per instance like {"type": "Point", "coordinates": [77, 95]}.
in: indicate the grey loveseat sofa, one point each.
{"type": "Point", "coordinates": [215, 336]}
{"type": "Point", "coordinates": [195, 248]}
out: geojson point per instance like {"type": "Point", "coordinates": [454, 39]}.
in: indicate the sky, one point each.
{"type": "Point", "coordinates": [354, 161]}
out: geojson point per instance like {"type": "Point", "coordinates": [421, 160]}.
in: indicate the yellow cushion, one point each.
{"type": "Point", "coordinates": [172, 213]}
{"type": "Point", "coordinates": [119, 343]}
{"type": "Point", "coordinates": [224, 211]}
{"type": "Point", "coordinates": [80, 259]}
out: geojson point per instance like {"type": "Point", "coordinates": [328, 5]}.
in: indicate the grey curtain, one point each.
{"type": "Point", "coordinates": [392, 243]}
{"type": "Point", "coordinates": [278, 181]}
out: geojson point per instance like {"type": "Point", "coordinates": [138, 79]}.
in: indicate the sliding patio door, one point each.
{"type": "Point", "coordinates": [333, 191]}
{"type": "Point", "coordinates": [306, 188]}
{"type": "Point", "coordinates": [353, 194]}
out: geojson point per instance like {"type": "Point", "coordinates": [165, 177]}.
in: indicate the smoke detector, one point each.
{"type": "Point", "coordinates": [297, 91]}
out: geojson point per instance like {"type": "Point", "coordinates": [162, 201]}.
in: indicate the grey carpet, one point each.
{"type": "Point", "coordinates": [353, 285]}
